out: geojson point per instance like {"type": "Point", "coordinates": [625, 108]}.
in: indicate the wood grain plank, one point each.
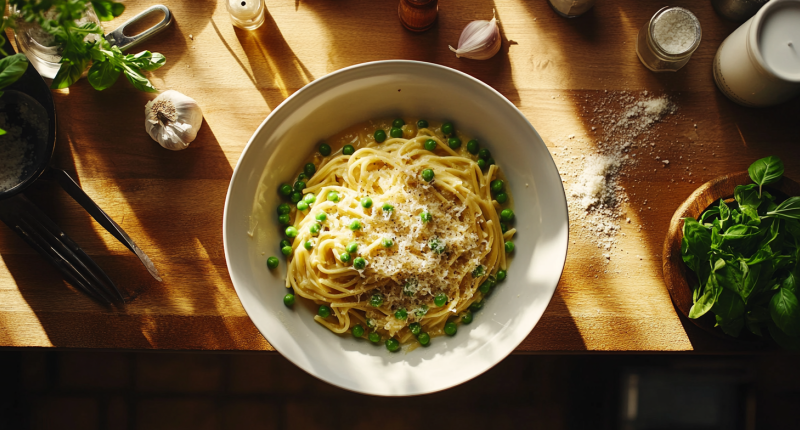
{"type": "Point", "coordinates": [554, 70]}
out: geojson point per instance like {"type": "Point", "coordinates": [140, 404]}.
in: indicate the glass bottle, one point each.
{"type": "Point", "coordinates": [246, 14]}
{"type": "Point", "coordinates": [668, 40]}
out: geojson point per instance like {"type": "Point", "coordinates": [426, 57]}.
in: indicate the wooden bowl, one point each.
{"type": "Point", "coordinates": [678, 276]}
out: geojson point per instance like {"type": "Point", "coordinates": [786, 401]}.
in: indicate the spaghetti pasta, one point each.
{"type": "Point", "coordinates": [398, 234]}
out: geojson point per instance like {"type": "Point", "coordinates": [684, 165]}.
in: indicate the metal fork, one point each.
{"type": "Point", "coordinates": [43, 235]}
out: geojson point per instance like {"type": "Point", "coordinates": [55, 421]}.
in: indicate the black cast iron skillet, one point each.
{"type": "Point", "coordinates": [29, 222]}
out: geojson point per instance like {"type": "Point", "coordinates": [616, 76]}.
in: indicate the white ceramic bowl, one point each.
{"type": "Point", "coordinates": [384, 89]}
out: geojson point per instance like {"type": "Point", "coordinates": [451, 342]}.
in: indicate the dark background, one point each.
{"type": "Point", "coordinates": [124, 390]}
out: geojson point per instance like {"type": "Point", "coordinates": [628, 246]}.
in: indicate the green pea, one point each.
{"type": "Point", "coordinates": [321, 217]}
{"type": "Point", "coordinates": [478, 272]}
{"type": "Point", "coordinates": [285, 190]}
{"type": "Point", "coordinates": [310, 169]}
{"type": "Point", "coordinates": [366, 202]}
{"type": "Point", "coordinates": [440, 300]}
{"type": "Point", "coordinates": [285, 243]}
{"type": "Point", "coordinates": [302, 205]}
{"type": "Point", "coordinates": [358, 330]}
{"type": "Point", "coordinates": [496, 186]}
{"type": "Point", "coordinates": [447, 128]}
{"type": "Point", "coordinates": [291, 232]}
{"type": "Point", "coordinates": [314, 229]}
{"type": "Point", "coordinates": [386, 242]}
{"type": "Point", "coordinates": [506, 215]}
{"type": "Point", "coordinates": [503, 227]}
{"type": "Point", "coordinates": [345, 257]}
{"type": "Point", "coordinates": [415, 328]}
{"type": "Point", "coordinates": [398, 123]}
{"type": "Point", "coordinates": [489, 161]}
{"type": "Point", "coordinates": [299, 186]}
{"type": "Point", "coordinates": [472, 146]}
{"type": "Point", "coordinates": [481, 164]}
{"type": "Point", "coordinates": [501, 275]}
{"type": "Point", "coordinates": [509, 246]}
{"type": "Point", "coordinates": [430, 145]}
{"type": "Point", "coordinates": [380, 136]}
{"type": "Point", "coordinates": [333, 196]}
{"type": "Point", "coordinates": [427, 175]}
{"type": "Point", "coordinates": [284, 209]}
{"type": "Point", "coordinates": [396, 132]}
{"type": "Point", "coordinates": [450, 328]}
{"type": "Point", "coordinates": [387, 207]}
{"type": "Point", "coordinates": [310, 198]}
{"type": "Point", "coordinates": [272, 262]}
{"type": "Point", "coordinates": [501, 198]}
{"type": "Point", "coordinates": [288, 300]}
{"type": "Point", "coordinates": [374, 337]}
{"type": "Point", "coordinates": [392, 345]}
{"type": "Point", "coordinates": [352, 247]}
{"type": "Point", "coordinates": [348, 150]}
{"type": "Point", "coordinates": [424, 339]}
{"type": "Point", "coordinates": [302, 177]}
{"type": "Point", "coordinates": [454, 143]}
{"type": "Point", "coordinates": [355, 225]}
{"type": "Point", "coordinates": [485, 287]}
{"type": "Point", "coordinates": [284, 219]}
{"type": "Point", "coordinates": [476, 306]}
{"type": "Point", "coordinates": [466, 317]}
{"type": "Point", "coordinates": [376, 300]}
{"type": "Point", "coordinates": [422, 124]}
{"type": "Point", "coordinates": [325, 149]}
{"type": "Point", "coordinates": [286, 250]}
{"type": "Point", "coordinates": [296, 197]}
{"type": "Point", "coordinates": [426, 216]}
{"type": "Point", "coordinates": [484, 153]}
{"type": "Point", "coordinates": [359, 263]}
{"type": "Point", "coordinates": [401, 314]}
{"type": "Point", "coordinates": [308, 245]}
{"type": "Point", "coordinates": [324, 311]}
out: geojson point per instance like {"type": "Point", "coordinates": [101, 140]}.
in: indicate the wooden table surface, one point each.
{"type": "Point", "coordinates": [171, 203]}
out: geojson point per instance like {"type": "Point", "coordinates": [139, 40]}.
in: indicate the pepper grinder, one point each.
{"type": "Point", "coordinates": [418, 15]}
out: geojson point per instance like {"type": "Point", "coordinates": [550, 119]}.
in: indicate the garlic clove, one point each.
{"type": "Point", "coordinates": [173, 120]}
{"type": "Point", "coordinates": [480, 40]}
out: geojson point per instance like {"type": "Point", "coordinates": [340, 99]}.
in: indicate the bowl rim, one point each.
{"type": "Point", "coordinates": [310, 87]}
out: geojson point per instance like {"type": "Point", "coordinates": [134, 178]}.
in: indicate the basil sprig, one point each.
{"type": "Point", "coordinates": [58, 17]}
{"type": "Point", "coordinates": [746, 255]}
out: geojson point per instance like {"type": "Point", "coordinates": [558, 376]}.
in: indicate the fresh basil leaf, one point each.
{"type": "Point", "coordinates": [783, 309]}
{"type": "Point", "coordinates": [791, 343]}
{"type": "Point", "coordinates": [138, 80]}
{"type": "Point", "coordinates": [103, 75]}
{"type": "Point", "coordinates": [146, 60]}
{"type": "Point", "coordinates": [766, 171]}
{"type": "Point", "coordinates": [755, 318]}
{"type": "Point", "coordinates": [711, 293]}
{"type": "Point", "coordinates": [695, 244]}
{"type": "Point", "coordinates": [729, 313]}
{"type": "Point", "coordinates": [791, 282]}
{"type": "Point", "coordinates": [68, 74]}
{"type": "Point", "coordinates": [750, 216]}
{"type": "Point", "coordinates": [709, 215]}
{"type": "Point", "coordinates": [12, 68]}
{"type": "Point", "coordinates": [789, 209]}
{"type": "Point", "coordinates": [724, 216]}
{"type": "Point", "coordinates": [739, 237]}
{"type": "Point", "coordinates": [747, 195]}
{"type": "Point", "coordinates": [752, 279]}
{"type": "Point", "coordinates": [107, 10]}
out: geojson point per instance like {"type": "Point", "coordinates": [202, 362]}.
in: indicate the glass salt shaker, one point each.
{"type": "Point", "coordinates": [668, 40]}
{"type": "Point", "coordinates": [246, 14]}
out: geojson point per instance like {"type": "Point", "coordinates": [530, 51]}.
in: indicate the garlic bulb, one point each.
{"type": "Point", "coordinates": [172, 119]}
{"type": "Point", "coordinates": [480, 40]}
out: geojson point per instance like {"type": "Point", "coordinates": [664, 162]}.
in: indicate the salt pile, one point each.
{"type": "Point", "coordinates": [594, 193]}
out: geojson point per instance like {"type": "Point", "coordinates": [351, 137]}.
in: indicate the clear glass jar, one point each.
{"type": "Point", "coordinates": [246, 14]}
{"type": "Point", "coordinates": [656, 45]}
